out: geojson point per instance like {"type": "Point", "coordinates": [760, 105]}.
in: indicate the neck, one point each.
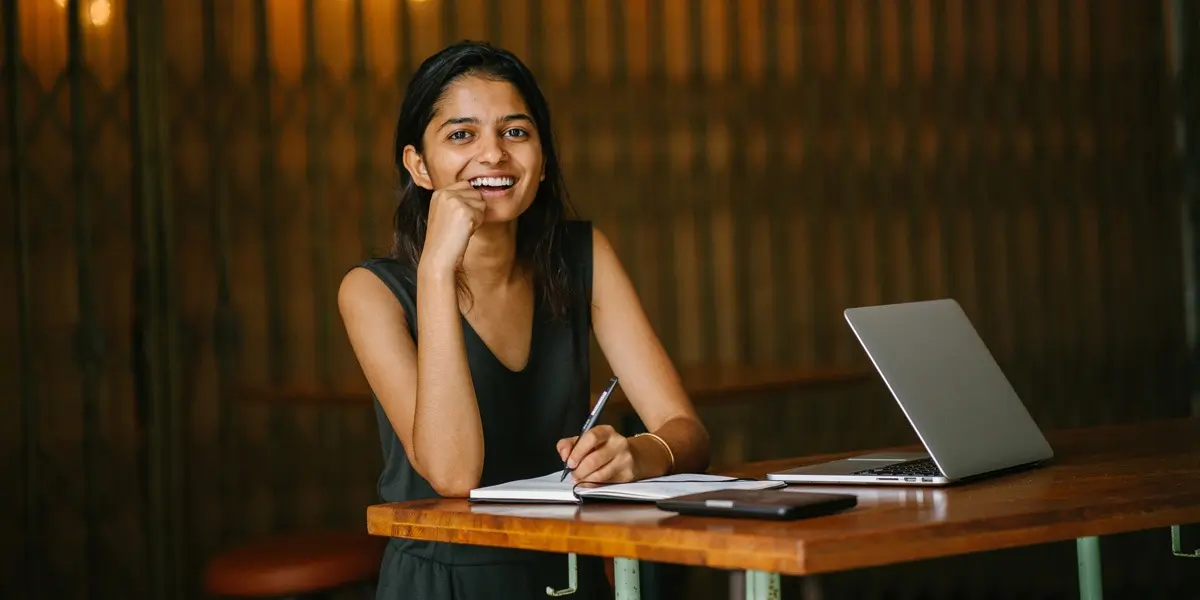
{"type": "Point", "coordinates": [491, 256]}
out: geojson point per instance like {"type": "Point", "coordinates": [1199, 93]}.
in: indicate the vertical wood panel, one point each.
{"type": "Point", "coordinates": [27, 568]}
{"type": "Point", "coordinates": [759, 165]}
{"type": "Point", "coordinates": [88, 336]}
{"type": "Point", "coordinates": [846, 270]}
{"type": "Point", "coordinates": [810, 229]}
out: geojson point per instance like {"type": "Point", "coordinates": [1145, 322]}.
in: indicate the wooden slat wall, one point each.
{"type": "Point", "coordinates": [187, 194]}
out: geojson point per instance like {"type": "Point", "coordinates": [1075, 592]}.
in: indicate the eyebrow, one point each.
{"type": "Point", "coordinates": [474, 121]}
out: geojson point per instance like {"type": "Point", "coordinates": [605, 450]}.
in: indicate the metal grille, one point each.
{"type": "Point", "coordinates": [189, 181]}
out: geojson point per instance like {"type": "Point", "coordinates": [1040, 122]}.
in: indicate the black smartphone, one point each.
{"type": "Point", "coordinates": [759, 504]}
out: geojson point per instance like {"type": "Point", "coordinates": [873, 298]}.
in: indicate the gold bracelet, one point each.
{"type": "Point", "coordinates": [670, 454]}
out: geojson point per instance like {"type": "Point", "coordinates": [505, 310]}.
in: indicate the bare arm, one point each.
{"type": "Point", "coordinates": [649, 380]}
{"type": "Point", "coordinates": [425, 388]}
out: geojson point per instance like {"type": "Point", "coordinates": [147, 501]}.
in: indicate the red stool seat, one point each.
{"type": "Point", "coordinates": [295, 564]}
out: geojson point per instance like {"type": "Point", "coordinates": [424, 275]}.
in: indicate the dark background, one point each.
{"type": "Point", "coordinates": [185, 182]}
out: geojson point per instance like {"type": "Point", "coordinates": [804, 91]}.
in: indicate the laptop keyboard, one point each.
{"type": "Point", "coordinates": [922, 467]}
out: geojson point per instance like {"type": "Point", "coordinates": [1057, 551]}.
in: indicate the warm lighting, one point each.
{"type": "Point", "coordinates": [99, 12]}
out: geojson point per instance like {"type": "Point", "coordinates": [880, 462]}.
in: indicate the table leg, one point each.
{"type": "Point", "coordinates": [572, 579]}
{"type": "Point", "coordinates": [761, 585]}
{"type": "Point", "coordinates": [1087, 551]}
{"type": "Point", "coordinates": [1178, 535]}
{"type": "Point", "coordinates": [625, 574]}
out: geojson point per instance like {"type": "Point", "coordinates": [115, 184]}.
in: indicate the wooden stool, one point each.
{"type": "Point", "coordinates": [295, 565]}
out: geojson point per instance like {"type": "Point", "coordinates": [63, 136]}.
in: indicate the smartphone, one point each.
{"type": "Point", "coordinates": [759, 504]}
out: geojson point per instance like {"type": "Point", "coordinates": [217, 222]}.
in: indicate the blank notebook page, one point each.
{"type": "Point", "coordinates": [539, 489]}
{"type": "Point", "coordinates": [548, 488]}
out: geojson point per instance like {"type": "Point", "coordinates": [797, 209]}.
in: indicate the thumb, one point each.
{"type": "Point", "coordinates": [565, 446]}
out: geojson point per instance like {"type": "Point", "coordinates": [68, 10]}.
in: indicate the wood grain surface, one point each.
{"type": "Point", "coordinates": [1102, 481]}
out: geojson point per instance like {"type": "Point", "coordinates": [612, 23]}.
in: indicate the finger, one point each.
{"type": "Point", "coordinates": [478, 204]}
{"type": "Point", "coordinates": [612, 451]}
{"type": "Point", "coordinates": [444, 194]}
{"type": "Point", "coordinates": [594, 461]}
{"type": "Point", "coordinates": [587, 442]}
{"type": "Point", "coordinates": [604, 431]}
{"type": "Point", "coordinates": [606, 450]}
{"type": "Point", "coordinates": [564, 447]}
{"type": "Point", "coordinates": [608, 472]}
{"type": "Point", "coordinates": [469, 192]}
{"type": "Point", "coordinates": [471, 199]}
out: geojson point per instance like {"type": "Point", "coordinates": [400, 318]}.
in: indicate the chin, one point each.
{"type": "Point", "coordinates": [505, 211]}
{"type": "Point", "coordinates": [500, 215]}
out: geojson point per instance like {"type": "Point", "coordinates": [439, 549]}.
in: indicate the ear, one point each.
{"type": "Point", "coordinates": [415, 165]}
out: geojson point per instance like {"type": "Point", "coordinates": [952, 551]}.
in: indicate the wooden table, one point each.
{"type": "Point", "coordinates": [1102, 481]}
{"type": "Point", "coordinates": [705, 385]}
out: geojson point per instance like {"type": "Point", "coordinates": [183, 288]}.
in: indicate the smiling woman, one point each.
{"type": "Point", "coordinates": [474, 333]}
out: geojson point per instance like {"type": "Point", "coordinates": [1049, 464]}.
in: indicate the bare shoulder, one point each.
{"type": "Point", "coordinates": [603, 254]}
{"type": "Point", "coordinates": [363, 293]}
{"type": "Point", "coordinates": [612, 290]}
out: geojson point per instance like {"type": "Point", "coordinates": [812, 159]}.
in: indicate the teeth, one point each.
{"type": "Point", "coordinates": [492, 181]}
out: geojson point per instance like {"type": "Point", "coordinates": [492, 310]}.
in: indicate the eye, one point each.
{"type": "Point", "coordinates": [516, 132]}
{"type": "Point", "coordinates": [459, 135]}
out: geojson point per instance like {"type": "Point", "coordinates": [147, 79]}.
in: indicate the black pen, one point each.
{"type": "Point", "coordinates": [591, 420]}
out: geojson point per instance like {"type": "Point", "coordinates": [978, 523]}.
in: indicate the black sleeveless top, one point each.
{"type": "Point", "coordinates": [524, 414]}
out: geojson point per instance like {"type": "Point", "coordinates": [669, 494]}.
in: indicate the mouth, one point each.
{"type": "Point", "coordinates": [493, 184]}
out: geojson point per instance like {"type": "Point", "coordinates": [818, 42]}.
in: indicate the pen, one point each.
{"type": "Point", "coordinates": [591, 420]}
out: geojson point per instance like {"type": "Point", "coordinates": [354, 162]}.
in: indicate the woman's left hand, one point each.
{"type": "Point", "coordinates": [601, 455]}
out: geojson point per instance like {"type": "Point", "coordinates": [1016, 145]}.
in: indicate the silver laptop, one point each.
{"type": "Point", "coordinates": [953, 393]}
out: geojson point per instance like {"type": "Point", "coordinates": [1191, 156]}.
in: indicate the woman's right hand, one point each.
{"type": "Point", "coordinates": [455, 212]}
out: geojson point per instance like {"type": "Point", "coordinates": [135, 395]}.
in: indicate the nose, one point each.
{"type": "Point", "coordinates": [491, 150]}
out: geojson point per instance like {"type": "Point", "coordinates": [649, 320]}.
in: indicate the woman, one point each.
{"type": "Point", "coordinates": [474, 334]}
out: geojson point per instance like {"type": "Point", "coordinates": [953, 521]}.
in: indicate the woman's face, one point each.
{"type": "Point", "coordinates": [482, 132]}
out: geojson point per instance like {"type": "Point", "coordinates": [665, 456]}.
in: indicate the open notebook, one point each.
{"type": "Point", "coordinates": [549, 489]}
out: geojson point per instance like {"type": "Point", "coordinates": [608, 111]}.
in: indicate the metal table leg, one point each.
{"type": "Point", "coordinates": [761, 585]}
{"type": "Point", "coordinates": [1087, 551]}
{"type": "Point", "coordinates": [625, 574]}
{"type": "Point", "coordinates": [572, 579]}
{"type": "Point", "coordinates": [1178, 535]}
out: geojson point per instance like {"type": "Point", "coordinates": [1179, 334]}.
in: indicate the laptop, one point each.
{"type": "Point", "coordinates": [965, 412]}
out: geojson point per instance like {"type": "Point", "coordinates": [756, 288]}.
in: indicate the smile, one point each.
{"type": "Point", "coordinates": [492, 183]}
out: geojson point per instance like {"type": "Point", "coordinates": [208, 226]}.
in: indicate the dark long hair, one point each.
{"type": "Point", "coordinates": [540, 227]}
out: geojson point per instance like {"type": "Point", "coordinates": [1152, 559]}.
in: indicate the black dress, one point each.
{"type": "Point", "coordinates": [524, 414]}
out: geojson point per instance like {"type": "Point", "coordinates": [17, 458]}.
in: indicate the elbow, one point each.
{"type": "Point", "coordinates": [451, 475]}
{"type": "Point", "coordinates": [453, 480]}
{"type": "Point", "coordinates": [453, 487]}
